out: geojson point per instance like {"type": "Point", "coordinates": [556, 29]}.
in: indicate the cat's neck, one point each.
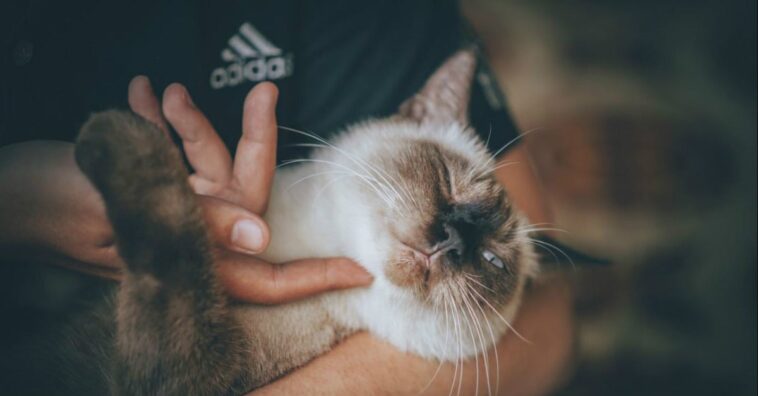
{"type": "Point", "coordinates": [305, 214]}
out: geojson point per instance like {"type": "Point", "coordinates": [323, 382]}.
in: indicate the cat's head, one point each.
{"type": "Point", "coordinates": [447, 227]}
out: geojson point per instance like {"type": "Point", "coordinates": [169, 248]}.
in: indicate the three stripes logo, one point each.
{"type": "Point", "coordinates": [252, 58]}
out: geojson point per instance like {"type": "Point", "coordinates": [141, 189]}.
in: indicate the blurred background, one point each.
{"type": "Point", "coordinates": [642, 121]}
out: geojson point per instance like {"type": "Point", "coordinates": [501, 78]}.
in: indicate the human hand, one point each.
{"type": "Point", "coordinates": [234, 195]}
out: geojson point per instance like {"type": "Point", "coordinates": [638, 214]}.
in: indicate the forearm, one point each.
{"type": "Point", "coordinates": [49, 211]}
{"type": "Point", "coordinates": [517, 175]}
{"type": "Point", "coordinates": [365, 365]}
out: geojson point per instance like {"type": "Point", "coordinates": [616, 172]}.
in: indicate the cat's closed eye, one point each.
{"type": "Point", "coordinates": [492, 258]}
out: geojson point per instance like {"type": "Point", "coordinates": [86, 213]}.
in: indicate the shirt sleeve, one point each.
{"type": "Point", "coordinates": [357, 60]}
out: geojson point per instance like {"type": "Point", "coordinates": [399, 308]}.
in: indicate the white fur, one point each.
{"type": "Point", "coordinates": [318, 214]}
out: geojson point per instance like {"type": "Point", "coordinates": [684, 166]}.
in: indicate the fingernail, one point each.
{"type": "Point", "coordinates": [360, 275]}
{"type": "Point", "coordinates": [189, 100]}
{"type": "Point", "coordinates": [365, 277]}
{"type": "Point", "coordinates": [248, 235]}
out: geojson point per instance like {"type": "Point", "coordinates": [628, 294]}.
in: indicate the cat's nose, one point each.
{"type": "Point", "coordinates": [449, 249]}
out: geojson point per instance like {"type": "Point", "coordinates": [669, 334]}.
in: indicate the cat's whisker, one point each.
{"type": "Point", "coordinates": [532, 242]}
{"type": "Point", "coordinates": [481, 319]}
{"type": "Point", "coordinates": [504, 164]}
{"type": "Point", "coordinates": [492, 338]}
{"type": "Point", "coordinates": [367, 179]}
{"type": "Point", "coordinates": [470, 297]}
{"type": "Point", "coordinates": [324, 144]}
{"type": "Point", "coordinates": [480, 334]}
{"type": "Point", "coordinates": [455, 328]}
{"type": "Point", "coordinates": [302, 179]}
{"type": "Point", "coordinates": [489, 135]}
{"type": "Point", "coordinates": [514, 140]}
{"type": "Point", "coordinates": [548, 246]}
{"type": "Point", "coordinates": [539, 229]}
{"type": "Point", "coordinates": [480, 284]}
{"type": "Point", "coordinates": [479, 168]}
{"type": "Point", "coordinates": [540, 224]}
{"type": "Point", "coordinates": [454, 316]}
{"type": "Point", "coordinates": [468, 320]}
{"type": "Point", "coordinates": [494, 342]}
{"type": "Point", "coordinates": [508, 324]}
{"type": "Point", "coordinates": [486, 167]}
{"type": "Point", "coordinates": [324, 188]}
{"type": "Point", "coordinates": [459, 331]}
{"type": "Point", "coordinates": [536, 227]}
{"type": "Point", "coordinates": [447, 338]}
{"type": "Point", "coordinates": [358, 161]}
{"type": "Point", "coordinates": [461, 312]}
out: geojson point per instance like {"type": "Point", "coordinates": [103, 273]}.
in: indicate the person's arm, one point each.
{"type": "Point", "coordinates": [49, 212]}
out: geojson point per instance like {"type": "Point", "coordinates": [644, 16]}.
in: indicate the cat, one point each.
{"type": "Point", "coordinates": [412, 198]}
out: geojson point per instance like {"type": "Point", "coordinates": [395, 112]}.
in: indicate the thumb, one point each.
{"type": "Point", "coordinates": [235, 227]}
{"type": "Point", "coordinates": [249, 279]}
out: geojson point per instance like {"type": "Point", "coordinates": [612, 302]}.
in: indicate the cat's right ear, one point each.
{"type": "Point", "coordinates": [445, 96]}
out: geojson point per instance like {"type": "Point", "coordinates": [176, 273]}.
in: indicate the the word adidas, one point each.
{"type": "Point", "coordinates": [253, 58]}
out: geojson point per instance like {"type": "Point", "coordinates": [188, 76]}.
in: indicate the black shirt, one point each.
{"type": "Point", "coordinates": [335, 62]}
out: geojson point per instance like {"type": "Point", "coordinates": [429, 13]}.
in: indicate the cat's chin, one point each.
{"type": "Point", "coordinates": [460, 332]}
{"type": "Point", "coordinates": [436, 326]}
{"type": "Point", "coordinates": [448, 331]}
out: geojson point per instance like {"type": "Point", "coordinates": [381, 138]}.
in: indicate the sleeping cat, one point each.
{"type": "Point", "coordinates": [412, 198]}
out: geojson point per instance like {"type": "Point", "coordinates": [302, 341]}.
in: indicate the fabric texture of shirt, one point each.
{"type": "Point", "coordinates": [335, 62]}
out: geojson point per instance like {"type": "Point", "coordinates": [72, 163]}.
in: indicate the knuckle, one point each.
{"type": "Point", "coordinates": [326, 272]}
{"type": "Point", "coordinates": [274, 284]}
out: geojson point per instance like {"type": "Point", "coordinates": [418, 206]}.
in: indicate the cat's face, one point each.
{"type": "Point", "coordinates": [456, 232]}
{"type": "Point", "coordinates": [450, 231]}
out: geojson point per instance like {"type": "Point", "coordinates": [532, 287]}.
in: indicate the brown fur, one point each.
{"type": "Point", "coordinates": [438, 176]}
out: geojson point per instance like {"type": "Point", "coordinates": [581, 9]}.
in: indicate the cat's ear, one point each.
{"type": "Point", "coordinates": [445, 96]}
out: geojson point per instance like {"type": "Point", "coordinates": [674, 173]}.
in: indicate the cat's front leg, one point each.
{"type": "Point", "coordinates": [175, 332]}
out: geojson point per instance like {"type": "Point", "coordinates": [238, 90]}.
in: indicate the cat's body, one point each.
{"type": "Point", "coordinates": [412, 198]}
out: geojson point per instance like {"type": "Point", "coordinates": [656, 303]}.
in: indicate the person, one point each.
{"type": "Point", "coordinates": [330, 64]}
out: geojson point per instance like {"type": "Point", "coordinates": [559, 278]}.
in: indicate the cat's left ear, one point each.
{"type": "Point", "coordinates": [445, 96]}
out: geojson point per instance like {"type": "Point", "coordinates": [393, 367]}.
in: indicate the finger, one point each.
{"type": "Point", "coordinates": [234, 227]}
{"type": "Point", "coordinates": [142, 100]}
{"type": "Point", "coordinates": [253, 280]}
{"type": "Point", "coordinates": [205, 150]}
{"type": "Point", "coordinates": [88, 268]}
{"type": "Point", "coordinates": [255, 159]}
{"type": "Point", "coordinates": [204, 186]}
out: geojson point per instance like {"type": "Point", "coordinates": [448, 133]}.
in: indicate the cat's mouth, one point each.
{"type": "Point", "coordinates": [416, 268]}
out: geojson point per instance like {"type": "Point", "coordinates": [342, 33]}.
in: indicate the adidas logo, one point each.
{"type": "Point", "coordinates": [253, 58]}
